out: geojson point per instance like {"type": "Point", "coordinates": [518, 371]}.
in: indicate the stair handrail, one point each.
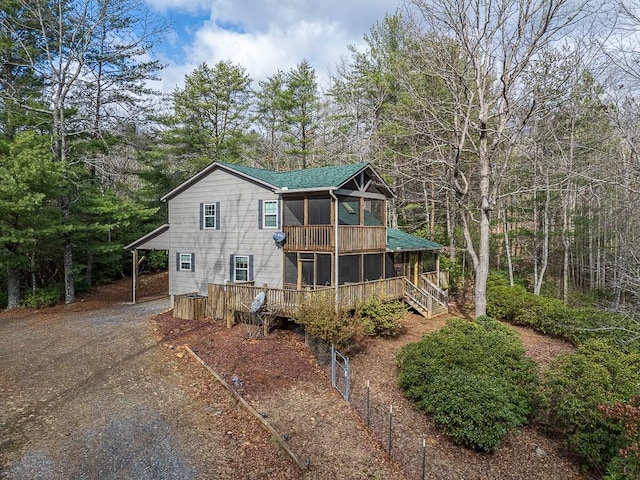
{"type": "Point", "coordinates": [419, 296]}
{"type": "Point", "coordinates": [440, 296]}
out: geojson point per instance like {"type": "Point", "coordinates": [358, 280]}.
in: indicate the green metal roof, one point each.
{"type": "Point", "coordinates": [398, 240]}
{"type": "Point", "coordinates": [322, 177]}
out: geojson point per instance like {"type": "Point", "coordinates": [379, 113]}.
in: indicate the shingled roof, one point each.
{"type": "Point", "coordinates": [321, 177]}
{"type": "Point", "coordinates": [399, 241]}
{"type": "Point", "coordinates": [331, 177]}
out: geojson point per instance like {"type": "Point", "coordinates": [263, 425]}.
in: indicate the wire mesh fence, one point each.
{"type": "Point", "coordinates": [391, 428]}
{"type": "Point", "coordinates": [388, 423]}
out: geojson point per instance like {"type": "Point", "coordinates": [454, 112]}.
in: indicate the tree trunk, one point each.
{"type": "Point", "coordinates": [545, 240]}
{"type": "Point", "coordinates": [482, 266]}
{"type": "Point", "coordinates": [88, 275]}
{"type": "Point", "coordinates": [69, 285]}
{"type": "Point", "coordinates": [565, 248]}
{"type": "Point", "coordinates": [432, 225]}
{"type": "Point", "coordinates": [13, 288]}
{"type": "Point", "coordinates": [451, 222]}
{"type": "Point", "coordinates": [507, 245]}
{"type": "Point", "coordinates": [482, 269]}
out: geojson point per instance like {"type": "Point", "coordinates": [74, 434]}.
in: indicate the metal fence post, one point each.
{"type": "Point", "coordinates": [390, 428]}
{"type": "Point", "coordinates": [346, 378]}
{"type": "Point", "coordinates": [333, 366]}
{"type": "Point", "coordinates": [368, 406]}
{"type": "Point", "coordinates": [424, 458]}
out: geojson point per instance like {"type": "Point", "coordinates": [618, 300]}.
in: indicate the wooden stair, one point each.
{"type": "Point", "coordinates": [424, 301]}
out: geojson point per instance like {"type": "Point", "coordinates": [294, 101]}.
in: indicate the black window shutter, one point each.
{"type": "Point", "coordinates": [260, 214]}
{"type": "Point", "coordinates": [232, 268]}
{"type": "Point", "coordinates": [193, 262]}
{"type": "Point", "coordinates": [178, 261]}
{"type": "Point", "coordinates": [201, 216]}
{"type": "Point", "coordinates": [217, 215]}
{"type": "Point", "coordinates": [250, 268]}
{"type": "Point", "coordinates": [279, 212]}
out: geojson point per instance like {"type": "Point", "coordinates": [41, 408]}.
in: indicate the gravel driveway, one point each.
{"type": "Point", "coordinates": [87, 395]}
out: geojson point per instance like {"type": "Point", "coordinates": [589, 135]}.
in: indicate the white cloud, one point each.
{"type": "Point", "coordinates": [265, 36]}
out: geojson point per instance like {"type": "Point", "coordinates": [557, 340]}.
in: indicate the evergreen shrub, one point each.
{"type": "Point", "coordinates": [473, 377]}
{"type": "Point", "coordinates": [44, 296]}
{"type": "Point", "coordinates": [382, 319]}
{"type": "Point", "coordinates": [320, 318]}
{"type": "Point", "coordinates": [574, 388]}
{"type": "Point", "coordinates": [551, 317]}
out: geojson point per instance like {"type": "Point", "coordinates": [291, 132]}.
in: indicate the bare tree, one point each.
{"type": "Point", "coordinates": [489, 44]}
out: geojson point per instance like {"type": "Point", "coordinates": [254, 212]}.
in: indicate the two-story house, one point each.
{"type": "Point", "coordinates": [306, 229]}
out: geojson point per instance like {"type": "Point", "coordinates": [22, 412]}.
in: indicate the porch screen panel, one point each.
{"type": "Point", "coordinates": [319, 211]}
{"type": "Point", "coordinates": [349, 211]}
{"type": "Point", "coordinates": [428, 262]}
{"type": "Point", "coordinates": [400, 261]}
{"type": "Point", "coordinates": [372, 267]}
{"type": "Point", "coordinates": [294, 211]}
{"type": "Point", "coordinates": [349, 269]}
{"type": "Point", "coordinates": [291, 268]}
{"type": "Point", "coordinates": [390, 271]}
{"type": "Point", "coordinates": [373, 212]}
{"type": "Point", "coordinates": [307, 273]}
{"type": "Point", "coordinates": [323, 271]}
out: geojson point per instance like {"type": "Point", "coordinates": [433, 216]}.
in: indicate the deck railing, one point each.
{"type": "Point", "coordinates": [284, 302]}
{"type": "Point", "coordinates": [351, 295]}
{"type": "Point", "coordinates": [320, 238]}
{"type": "Point", "coordinates": [239, 297]}
{"type": "Point", "coordinates": [440, 279]}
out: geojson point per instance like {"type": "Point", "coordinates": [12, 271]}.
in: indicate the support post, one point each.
{"type": "Point", "coordinates": [229, 316]}
{"type": "Point", "coordinates": [134, 275]}
{"type": "Point", "coordinates": [336, 248]}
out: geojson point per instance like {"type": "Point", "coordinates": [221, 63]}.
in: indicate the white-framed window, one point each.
{"type": "Point", "coordinates": [270, 213]}
{"type": "Point", "coordinates": [209, 215]}
{"type": "Point", "coordinates": [185, 262]}
{"type": "Point", "coordinates": [241, 268]}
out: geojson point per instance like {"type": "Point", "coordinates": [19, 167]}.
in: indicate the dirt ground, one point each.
{"type": "Point", "coordinates": [280, 378]}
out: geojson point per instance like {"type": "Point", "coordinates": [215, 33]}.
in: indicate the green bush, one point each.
{"type": "Point", "coordinates": [477, 410]}
{"type": "Point", "coordinates": [382, 318]}
{"type": "Point", "coordinates": [597, 374]}
{"type": "Point", "coordinates": [550, 316]}
{"type": "Point", "coordinates": [338, 327]}
{"type": "Point", "coordinates": [44, 296]}
{"type": "Point", "coordinates": [473, 377]}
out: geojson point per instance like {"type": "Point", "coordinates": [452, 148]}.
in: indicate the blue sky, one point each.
{"type": "Point", "coordinates": [262, 36]}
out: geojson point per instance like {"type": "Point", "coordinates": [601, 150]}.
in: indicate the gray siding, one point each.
{"type": "Point", "coordinates": [238, 233]}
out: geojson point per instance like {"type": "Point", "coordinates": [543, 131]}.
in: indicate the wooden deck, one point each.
{"type": "Point", "coordinates": [426, 298]}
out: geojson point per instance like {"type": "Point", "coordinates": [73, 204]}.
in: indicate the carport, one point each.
{"type": "Point", "coordinates": [158, 239]}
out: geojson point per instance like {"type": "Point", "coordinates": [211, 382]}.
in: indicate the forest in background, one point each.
{"type": "Point", "coordinates": [507, 129]}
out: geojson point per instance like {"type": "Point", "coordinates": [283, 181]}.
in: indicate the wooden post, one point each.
{"type": "Point", "coordinates": [229, 317]}
{"type": "Point", "coordinates": [134, 275]}
{"type": "Point", "coordinates": [437, 254]}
